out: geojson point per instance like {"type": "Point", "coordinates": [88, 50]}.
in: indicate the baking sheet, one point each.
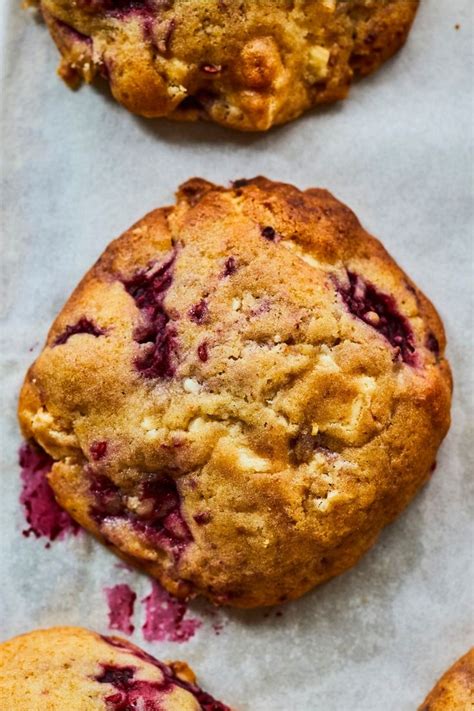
{"type": "Point", "coordinates": [77, 170]}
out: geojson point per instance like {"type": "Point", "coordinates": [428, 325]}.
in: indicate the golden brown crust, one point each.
{"type": "Point", "coordinates": [293, 428]}
{"type": "Point", "coordinates": [72, 669]}
{"type": "Point", "coordinates": [247, 65]}
{"type": "Point", "coordinates": [455, 690]}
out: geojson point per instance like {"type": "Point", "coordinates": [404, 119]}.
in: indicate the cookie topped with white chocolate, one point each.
{"type": "Point", "coordinates": [241, 393]}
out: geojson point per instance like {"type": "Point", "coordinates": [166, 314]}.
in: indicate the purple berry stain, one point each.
{"type": "Point", "coordinates": [119, 677]}
{"type": "Point", "coordinates": [160, 519]}
{"type": "Point", "coordinates": [230, 266]}
{"type": "Point", "coordinates": [132, 693]}
{"type": "Point", "coordinates": [121, 602]}
{"type": "Point", "coordinates": [165, 617]}
{"type": "Point", "coordinates": [165, 517]}
{"type": "Point", "coordinates": [98, 450]}
{"type": "Point", "coordinates": [198, 312]}
{"type": "Point", "coordinates": [202, 352]}
{"type": "Point", "coordinates": [43, 514]}
{"type": "Point", "coordinates": [108, 499]}
{"type": "Point", "coordinates": [432, 344]}
{"type": "Point", "coordinates": [379, 311]}
{"type": "Point", "coordinates": [84, 325]}
{"type": "Point", "coordinates": [148, 288]}
{"type": "Point", "coordinates": [122, 6]}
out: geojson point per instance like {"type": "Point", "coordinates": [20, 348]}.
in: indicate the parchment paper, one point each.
{"type": "Point", "coordinates": [78, 170]}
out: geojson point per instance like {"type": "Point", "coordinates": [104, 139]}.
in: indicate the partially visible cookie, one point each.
{"type": "Point", "coordinates": [247, 65]}
{"type": "Point", "coordinates": [455, 690]}
{"type": "Point", "coordinates": [73, 669]}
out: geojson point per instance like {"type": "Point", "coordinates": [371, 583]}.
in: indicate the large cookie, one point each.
{"type": "Point", "coordinates": [241, 393]}
{"type": "Point", "coordinates": [248, 65]}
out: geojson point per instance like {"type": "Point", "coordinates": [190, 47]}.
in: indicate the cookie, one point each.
{"type": "Point", "coordinates": [247, 65]}
{"type": "Point", "coordinates": [241, 393]}
{"type": "Point", "coordinates": [455, 690]}
{"type": "Point", "coordinates": [73, 669]}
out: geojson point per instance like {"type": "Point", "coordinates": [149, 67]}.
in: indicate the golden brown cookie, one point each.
{"type": "Point", "coordinates": [73, 669]}
{"type": "Point", "coordinates": [241, 393]}
{"type": "Point", "coordinates": [247, 65]}
{"type": "Point", "coordinates": [455, 690]}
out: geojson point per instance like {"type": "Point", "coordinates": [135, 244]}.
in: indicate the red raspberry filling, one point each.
{"type": "Point", "coordinates": [379, 311]}
{"type": "Point", "coordinates": [161, 519]}
{"type": "Point", "coordinates": [143, 695]}
{"type": "Point", "coordinates": [98, 450]}
{"type": "Point", "coordinates": [230, 267]}
{"type": "Point", "coordinates": [110, 5]}
{"type": "Point", "coordinates": [148, 288]}
{"type": "Point", "coordinates": [131, 693]}
{"type": "Point", "coordinates": [198, 312]}
{"type": "Point", "coordinates": [202, 351]}
{"type": "Point", "coordinates": [84, 325]}
{"type": "Point", "coordinates": [432, 344]}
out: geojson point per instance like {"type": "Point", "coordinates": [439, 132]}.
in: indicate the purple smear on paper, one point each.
{"type": "Point", "coordinates": [165, 617]}
{"type": "Point", "coordinates": [121, 601]}
{"type": "Point", "coordinates": [42, 512]}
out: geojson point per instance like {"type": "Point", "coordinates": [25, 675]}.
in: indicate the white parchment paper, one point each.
{"type": "Point", "coordinates": [77, 170]}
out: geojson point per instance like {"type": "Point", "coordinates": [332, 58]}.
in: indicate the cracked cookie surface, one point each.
{"type": "Point", "coordinates": [241, 393]}
{"type": "Point", "coordinates": [73, 669]}
{"type": "Point", "coordinates": [455, 690]}
{"type": "Point", "coordinates": [247, 65]}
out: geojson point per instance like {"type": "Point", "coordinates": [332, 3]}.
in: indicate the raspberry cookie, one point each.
{"type": "Point", "coordinates": [241, 393]}
{"type": "Point", "coordinates": [248, 65]}
{"type": "Point", "coordinates": [72, 669]}
{"type": "Point", "coordinates": [455, 690]}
